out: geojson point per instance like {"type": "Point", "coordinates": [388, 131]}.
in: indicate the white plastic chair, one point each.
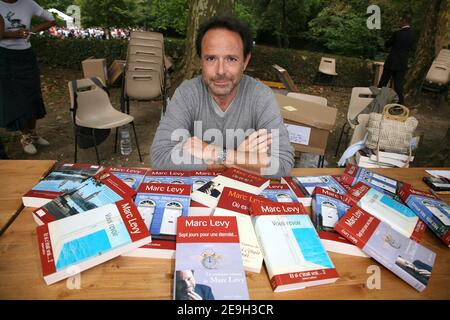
{"type": "Point", "coordinates": [307, 97]}
{"type": "Point", "coordinates": [328, 66]}
{"type": "Point", "coordinates": [359, 100]}
{"type": "Point", "coordinates": [91, 108]}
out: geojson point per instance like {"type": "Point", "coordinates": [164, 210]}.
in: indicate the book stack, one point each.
{"type": "Point", "coordinates": [218, 225]}
{"type": "Point", "coordinates": [368, 158]}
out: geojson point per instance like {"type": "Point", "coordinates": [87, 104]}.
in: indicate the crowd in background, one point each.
{"type": "Point", "coordinates": [88, 33]}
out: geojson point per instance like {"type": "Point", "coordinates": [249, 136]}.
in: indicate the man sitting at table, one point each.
{"type": "Point", "coordinates": [223, 117]}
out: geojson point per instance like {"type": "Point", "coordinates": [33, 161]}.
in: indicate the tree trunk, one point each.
{"type": "Point", "coordinates": [443, 26]}
{"type": "Point", "coordinates": [426, 46]}
{"type": "Point", "coordinates": [199, 11]}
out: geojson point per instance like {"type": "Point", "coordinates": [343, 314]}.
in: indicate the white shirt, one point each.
{"type": "Point", "coordinates": [17, 16]}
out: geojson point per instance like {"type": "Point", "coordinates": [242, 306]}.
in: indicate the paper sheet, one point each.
{"type": "Point", "coordinates": [298, 134]}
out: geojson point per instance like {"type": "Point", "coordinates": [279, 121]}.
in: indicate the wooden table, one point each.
{"type": "Point", "coordinates": [140, 278]}
{"type": "Point", "coordinates": [17, 177]}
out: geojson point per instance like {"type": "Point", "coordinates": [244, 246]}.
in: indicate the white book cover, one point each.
{"type": "Point", "coordinates": [209, 193]}
{"type": "Point", "coordinates": [294, 256]}
{"type": "Point", "coordinates": [236, 203]}
{"type": "Point", "coordinates": [198, 179]}
{"type": "Point", "coordinates": [76, 243]}
{"type": "Point", "coordinates": [398, 216]}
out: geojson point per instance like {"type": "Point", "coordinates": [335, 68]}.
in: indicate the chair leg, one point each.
{"type": "Point", "coordinates": [321, 162]}
{"type": "Point", "coordinates": [96, 148]}
{"type": "Point", "coordinates": [76, 145]}
{"type": "Point", "coordinates": [340, 139]}
{"type": "Point", "coordinates": [137, 143]}
{"type": "Point", "coordinates": [122, 94]}
{"type": "Point", "coordinates": [115, 141]}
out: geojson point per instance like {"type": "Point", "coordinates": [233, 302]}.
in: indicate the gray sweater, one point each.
{"type": "Point", "coordinates": [253, 108]}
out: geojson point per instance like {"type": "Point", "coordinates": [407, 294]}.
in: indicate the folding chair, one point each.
{"type": "Point", "coordinates": [359, 100]}
{"type": "Point", "coordinates": [285, 78]}
{"type": "Point", "coordinates": [91, 108]}
{"type": "Point", "coordinates": [152, 51]}
{"type": "Point", "coordinates": [148, 35]}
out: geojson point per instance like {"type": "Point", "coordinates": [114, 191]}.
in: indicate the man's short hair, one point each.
{"type": "Point", "coordinates": [229, 23]}
{"type": "Point", "coordinates": [406, 17]}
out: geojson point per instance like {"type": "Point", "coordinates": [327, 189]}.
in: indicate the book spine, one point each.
{"type": "Point", "coordinates": [45, 250]}
{"type": "Point", "coordinates": [302, 277]}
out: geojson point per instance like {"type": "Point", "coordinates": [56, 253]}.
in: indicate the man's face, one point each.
{"type": "Point", "coordinates": [223, 62]}
{"type": "Point", "coordinates": [185, 281]}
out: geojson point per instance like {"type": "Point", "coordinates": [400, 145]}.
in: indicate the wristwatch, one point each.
{"type": "Point", "coordinates": [221, 156]}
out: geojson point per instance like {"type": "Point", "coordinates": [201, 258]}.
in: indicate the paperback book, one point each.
{"type": "Point", "coordinates": [160, 205]}
{"type": "Point", "coordinates": [279, 192]}
{"type": "Point", "coordinates": [309, 183]}
{"type": "Point", "coordinates": [62, 179]}
{"type": "Point", "coordinates": [432, 210]}
{"type": "Point", "coordinates": [406, 258]}
{"type": "Point", "coordinates": [354, 174]}
{"type": "Point", "coordinates": [168, 176]}
{"type": "Point", "coordinates": [133, 177]}
{"type": "Point", "coordinates": [198, 179]}
{"type": "Point", "coordinates": [236, 203]}
{"type": "Point", "coordinates": [104, 188]}
{"type": "Point", "coordinates": [293, 253]}
{"type": "Point", "coordinates": [208, 263]}
{"type": "Point", "coordinates": [398, 216]}
{"type": "Point", "coordinates": [77, 243]}
{"type": "Point", "coordinates": [327, 208]}
{"type": "Point", "coordinates": [209, 193]}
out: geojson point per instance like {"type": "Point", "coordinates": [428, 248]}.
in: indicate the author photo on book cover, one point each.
{"type": "Point", "coordinates": [187, 289]}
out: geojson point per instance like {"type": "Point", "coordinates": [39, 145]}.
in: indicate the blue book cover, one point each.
{"type": "Point", "coordinates": [430, 209]}
{"type": "Point", "coordinates": [309, 183]}
{"type": "Point", "coordinates": [60, 180]}
{"type": "Point", "coordinates": [160, 205]}
{"type": "Point", "coordinates": [133, 177]}
{"type": "Point", "coordinates": [168, 176]}
{"type": "Point", "coordinates": [95, 192]}
{"type": "Point", "coordinates": [208, 262]}
{"type": "Point", "coordinates": [279, 192]}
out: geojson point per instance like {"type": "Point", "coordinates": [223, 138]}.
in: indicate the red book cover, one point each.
{"type": "Point", "coordinates": [357, 226]}
{"type": "Point", "coordinates": [276, 208]}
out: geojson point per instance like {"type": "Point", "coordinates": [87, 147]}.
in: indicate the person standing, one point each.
{"type": "Point", "coordinates": [21, 103]}
{"type": "Point", "coordinates": [396, 64]}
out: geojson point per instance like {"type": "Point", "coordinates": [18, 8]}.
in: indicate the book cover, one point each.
{"type": "Point", "coordinates": [327, 208]}
{"type": "Point", "coordinates": [406, 258]}
{"type": "Point", "coordinates": [87, 239]}
{"type": "Point", "coordinates": [302, 196]}
{"type": "Point", "coordinates": [209, 193]}
{"type": "Point", "coordinates": [160, 205]}
{"type": "Point", "coordinates": [354, 174]}
{"type": "Point", "coordinates": [62, 179]}
{"type": "Point", "coordinates": [293, 253]}
{"type": "Point", "coordinates": [398, 216]}
{"type": "Point", "coordinates": [236, 203]}
{"type": "Point", "coordinates": [198, 179]}
{"type": "Point", "coordinates": [307, 185]}
{"type": "Point", "coordinates": [168, 176]}
{"type": "Point", "coordinates": [133, 177]}
{"type": "Point", "coordinates": [279, 192]}
{"type": "Point", "coordinates": [104, 188]}
{"type": "Point", "coordinates": [437, 184]}
{"type": "Point", "coordinates": [208, 263]}
{"type": "Point", "coordinates": [430, 209]}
